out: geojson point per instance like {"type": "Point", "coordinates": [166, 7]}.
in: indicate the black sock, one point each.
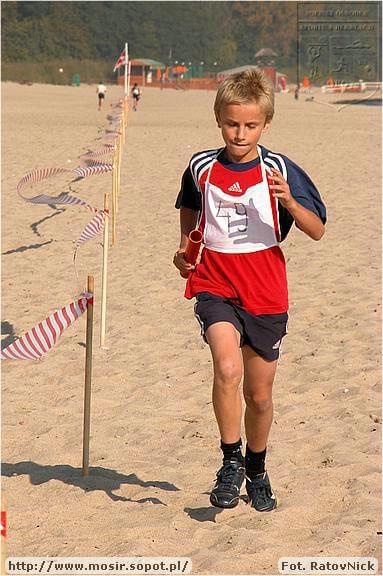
{"type": "Point", "coordinates": [255, 462]}
{"type": "Point", "coordinates": [233, 451]}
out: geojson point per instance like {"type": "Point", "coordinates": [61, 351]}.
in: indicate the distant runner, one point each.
{"type": "Point", "coordinates": [136, 93]}
{"type": "Point", "coordinates": [101, 91]}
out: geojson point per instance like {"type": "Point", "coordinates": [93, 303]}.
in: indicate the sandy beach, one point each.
{"type": "Point", "coordinates": [154, 446]}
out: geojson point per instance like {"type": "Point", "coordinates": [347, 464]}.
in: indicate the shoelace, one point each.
{"type": "Point", "coordinates": [227, 475]}
{"type": "Point", "coordinates": [262, 492]}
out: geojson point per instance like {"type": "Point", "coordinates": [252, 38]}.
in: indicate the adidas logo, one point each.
{"type": "Point", "coordinates": [235, 187]}
{"type": "Point", "coordinates": [276, 345]}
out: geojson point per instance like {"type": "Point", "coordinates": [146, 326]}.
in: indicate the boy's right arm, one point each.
{"type": "Point", "coordinates": [189, 204]}
{"type": "Point", "coordinates": [188, 222]}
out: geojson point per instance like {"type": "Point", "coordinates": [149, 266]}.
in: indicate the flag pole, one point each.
{"type": "Point", "coordinates": [126, 70]}
{"type": "Point", "coordinates": [104, 271]}
{"type": "Point", "coordinates": [114, 204]}
{"type": "Point", "coordinates": [119, 164]}
{"type": "Point", "coordinates": [88, 378]}
{"type": "Point", "coordinates": [127, 86]}
{"type": "Point", "coordinates": [129, 74]}
{"type": "Point", "coordinates": [117, 154]}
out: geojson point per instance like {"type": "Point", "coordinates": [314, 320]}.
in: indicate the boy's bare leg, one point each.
{"type": "Point", "coordinates": [257, 390]}
{"type": "Point", "coordinates": [224, 342]}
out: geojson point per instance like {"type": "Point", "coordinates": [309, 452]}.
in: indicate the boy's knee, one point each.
{"type": "Point", "coordinates": [258, 403]}
{"type": "Point", "coordinates": [227, 373]}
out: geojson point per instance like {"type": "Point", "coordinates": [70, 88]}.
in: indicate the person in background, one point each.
{"type": "Point", "coordinates": [136, 93]}
{"type": "Point", "coordinates": [101, 92]}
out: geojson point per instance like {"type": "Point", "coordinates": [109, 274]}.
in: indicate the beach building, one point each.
{"type": "Point", "coordinates": [265, 59]}
{"type": "Point", "coordinates": [144, 71]}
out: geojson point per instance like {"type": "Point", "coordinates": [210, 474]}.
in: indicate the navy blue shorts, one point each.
{"type": "Point", "coordinates": [263, 333]}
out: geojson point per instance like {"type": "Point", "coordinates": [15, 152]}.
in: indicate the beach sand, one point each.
{"type": "Point", "coordinates": [154, 446]}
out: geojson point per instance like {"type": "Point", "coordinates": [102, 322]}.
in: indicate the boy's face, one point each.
{"type": "Point", "coordinates": [242, 126]}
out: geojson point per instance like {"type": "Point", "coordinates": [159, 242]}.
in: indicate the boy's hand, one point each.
{"type": "Point", "coordinates": [306, 220]}
{"type": "Point", "coordinates": [281, 190]}
{"type": "Point", "coordinates": [179, 262]}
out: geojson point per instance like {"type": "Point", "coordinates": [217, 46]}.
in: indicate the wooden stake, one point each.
{"type": "Point", "coordinates": [122, 129]}
{"type": "Point", "coordinates": [88, 379]}
{"type": "Point", "coordinates": [104, 273]}
{"type": "Point", "coordinates": [114, 201]}
{"type": "Point", "coordinates": [126, 108]}
{"type": "Point", "coordinates": [117, 157]}
{"type": "Point", "coordinates": [119, 166]}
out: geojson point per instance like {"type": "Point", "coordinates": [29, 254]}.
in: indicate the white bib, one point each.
{"type": "Point", "coordinates": [239, 224]}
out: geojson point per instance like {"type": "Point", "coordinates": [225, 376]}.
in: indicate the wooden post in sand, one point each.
{"type": "Point", "coordinates": [118, 157]}
{"type": "Point", "coordinates": [104, 271]}
{"type": "Point", "coordinates": [126, 111]}
{"type": "Point", "coordinates": [122, 129]}
{"type": "Point", "coordinates": [126, 97]}
{"type": "Point", "coordinates": [88, 378]}
{"type": "Point", "coordinates": [114, 207]}
{"type": "Point", "coordinates": [119, 148]}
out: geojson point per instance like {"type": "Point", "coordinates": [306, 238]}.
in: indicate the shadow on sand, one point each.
{"type": "Point", "coordinates": [25, 248]}
{"type": "Point", "coordinates": [103, 479]}
{"type": "Point", "coordinates": [203, 514]}
{"type": "Point", "coordinates": [8, 331]}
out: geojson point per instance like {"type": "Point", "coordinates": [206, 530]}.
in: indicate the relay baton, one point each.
{"type": "Point", "coordinates": [192, 248]}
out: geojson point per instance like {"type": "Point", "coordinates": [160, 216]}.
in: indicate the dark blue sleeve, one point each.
{"type": "Point", "coordinates": [305, 192]}
{"type": "Point", "coordinates": [189, 196]}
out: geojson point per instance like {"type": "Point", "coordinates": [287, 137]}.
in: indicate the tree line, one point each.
{"type": "Point", "coordinates": [219, 34]}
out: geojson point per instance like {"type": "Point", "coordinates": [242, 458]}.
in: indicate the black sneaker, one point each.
{"type": "Point", "coordinates": [230, 477]}
{"type": "Point", "coordinates": [261, 495]}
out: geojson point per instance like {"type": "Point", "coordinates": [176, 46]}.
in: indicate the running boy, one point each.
{"type": "Point", "coordinates": [136, 93]}
{"type": "Point", "coordinates": [244, 199]}
{"type": "Point", "coordinates": [101, 92]}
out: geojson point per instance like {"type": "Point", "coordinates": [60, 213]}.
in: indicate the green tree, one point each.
{"type": "Point", "coordinates": [229, 33]}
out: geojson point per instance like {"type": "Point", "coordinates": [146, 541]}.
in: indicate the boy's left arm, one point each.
{"type": "Point", "coordinates": [305, 219]}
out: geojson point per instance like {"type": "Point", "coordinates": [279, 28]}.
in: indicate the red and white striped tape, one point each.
{"type": "Point", "coordinates": [38, 176]}
{"type": "Point", "coordinates": [84, 171]}
{"type": "Point", "coordinates": [92, 162]}
{"type": "Point", "coordinates": [42, 174]}
{"type": "Point", "coordinates": [42, 337]}
{"type": "Point", "coordinates": [62, 198]}
{"type": "Point", "coordinates": [108, 149]}
{"type": "Point", "coordinates": [93, 228]}
{"type": "Point", "coordinates": [112, 134]}
{"type": "Point", "coordinates": [115, 121]}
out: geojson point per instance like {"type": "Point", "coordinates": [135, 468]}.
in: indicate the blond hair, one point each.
{"type": "Point", "coordinates": [250, 85]}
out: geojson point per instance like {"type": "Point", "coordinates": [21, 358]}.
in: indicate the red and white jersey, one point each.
{"type": "Point", "coordinates": [240, 213]}
{"type": "Point", "coordinates": [242, 225]}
